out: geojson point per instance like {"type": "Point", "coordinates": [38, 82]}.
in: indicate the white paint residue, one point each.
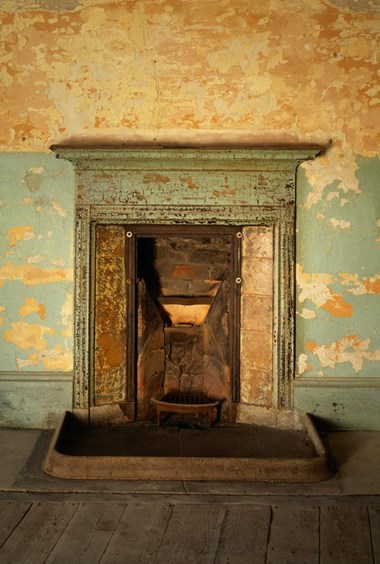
{"type": "Point", "coordinates": [59, 262]}
{"type": "Point", "coordinates": [314, 287]}
{"type": "Point", "coordinates": [26, 201]}
{"type": "Point", "coordinates": [340, 224]}
{"type": "Point", "coordinates": [35, 259]}
{"type": "Point", "coordinates": [59, 209]}
{"type": "Point", "coordinates": [67, 309]}
{"type": "Point", "coordinates": [308, 313]}
{"type": "Point", "coordinates": [302, 364]}
{"type": "Point", "coordinates": [36, 170]}
{"type": "Point", "coordinates": [339, 164]}
{"type": "Point", "coordinates": [349, 349]}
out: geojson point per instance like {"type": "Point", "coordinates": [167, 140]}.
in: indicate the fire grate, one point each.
{"type": "Point", "coordinates": [180, 402]}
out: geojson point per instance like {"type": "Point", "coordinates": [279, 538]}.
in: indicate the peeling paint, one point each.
{"type": "Point", "coordinates": [19, 233]}
{"type": "Point", "coordinates": [348, 349]}
{"type": "Point", "coordinates": [337, 307]}
{"type": "Point", "coordinates": [308, 313]}
{"type": "Point", "coordinates": [340, 224]}
{"type": "Point", "coordinates": [34, 236]}
{"type": "Point", "coordinates": [316, 288]}
{"type": "Point", "coordinates": [336, 165]}
{"type": "Point", "coordinates": [31, 306]}
{"type": "Point", "coordinates": [303, 365]}
{"type": "Point", "coordinates": [59, 209]}
{"type": "Point", "coordinates": [2, 308]}
{"type": "Point", "coordinates": [31, 275]}
{"type": "Point", "coordinates": [360, 286]}
{"type": "Point", "coordinates": [56, 359]}
{"type": "Point", "coordinates": [27, 335]}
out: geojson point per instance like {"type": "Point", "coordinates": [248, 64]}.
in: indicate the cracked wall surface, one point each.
{"type": "Point", "coordinates": [194, 73]}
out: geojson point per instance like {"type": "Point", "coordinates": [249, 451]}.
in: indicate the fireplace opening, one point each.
{"type": "Point", "coordinates": [184, 312]}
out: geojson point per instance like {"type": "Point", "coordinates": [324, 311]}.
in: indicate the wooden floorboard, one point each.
{"type": "Point", "coordinates": [30, 532]}
{"type": "Point", "coordinates": [47, 541]}
{"type": "Point", "coordinates": [244, 535]}
{"type": "Point", "coordinates": [374, 519]}
{"type": "Point", "coordinates": [345, 535]}
{"type": "Point", "coordinates": [158, 533]}
{"type": "Point", "coordinates": [294, 532]}
{"type": "Point", "coordinates": [11, 514]}
{"type": "Point", "coordinates": [192, 534]}
{"type": "Point", "coordinates": [139, 534]}
{"type": "Point", "coordinates": [88, 533]}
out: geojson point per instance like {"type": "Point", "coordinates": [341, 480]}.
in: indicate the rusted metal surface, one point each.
{"type": "Point", "coordinates": [185, 403]}
{"type": "Point", "coordinates": [110, 360]}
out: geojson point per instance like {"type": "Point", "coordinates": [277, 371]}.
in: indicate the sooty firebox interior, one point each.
{"type": "Point", "coordinates": [184, 300]}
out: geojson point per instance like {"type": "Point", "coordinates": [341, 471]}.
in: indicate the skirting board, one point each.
{"type": "Point", "coordinates": [34, 400]}
{"type": "Point", "coordinates": [37, 400]}
{"type": "Point", "coordinates": [340, 403]}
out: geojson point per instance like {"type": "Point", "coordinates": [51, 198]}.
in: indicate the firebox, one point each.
{"type": "Point", "coordinates": [181, 291]}
{"type": "Point", "coordinates": [185, 277]}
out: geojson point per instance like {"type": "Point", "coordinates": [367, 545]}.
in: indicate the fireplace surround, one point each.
{"type": "Point", "coordinates": [167, 239]}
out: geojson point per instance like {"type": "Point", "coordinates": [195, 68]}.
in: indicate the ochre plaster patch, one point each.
{"type": "Point", "coordinates": [19, 233]}
{"type": "Point", "coordinates": [31, 275]}
{"type": "Point", "coordinates": [26, 335]}
{"type": "Point", "coordinates": [337, 307]}
{"type": "Point", "coordinates": [56, 359]}
{"type": "Point", "coordinates": [32, 360]}
{"type": "Point", "coordinates": [348, 349]}
{"type": "Point", "coordinates": [175, 67]}
{"type": "Point", "coordinates": [315, 287]}
{"type": "Point", "coordinates": [32, 306]}
{"type": "Point", "coordinates": [2, 308]}
{"type": "Point", "coordinates": [359, 286]}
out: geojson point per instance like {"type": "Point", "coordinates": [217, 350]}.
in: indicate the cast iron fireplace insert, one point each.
{"type": "Point", "coordinates": [181, 290]}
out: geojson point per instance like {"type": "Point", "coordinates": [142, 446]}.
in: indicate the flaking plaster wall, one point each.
{"type": "Point", "coordinates": [191, 72]}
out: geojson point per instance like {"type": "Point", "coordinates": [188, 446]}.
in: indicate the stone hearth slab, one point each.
{"type": "Point", "coordinates": [222, 453]}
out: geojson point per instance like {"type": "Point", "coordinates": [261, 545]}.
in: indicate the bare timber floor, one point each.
{"type": "Point", "coordinates": [113, 532]}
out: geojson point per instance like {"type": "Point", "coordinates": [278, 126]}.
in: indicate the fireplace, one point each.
{"type": "Point", "coordinates": [184, 278]}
